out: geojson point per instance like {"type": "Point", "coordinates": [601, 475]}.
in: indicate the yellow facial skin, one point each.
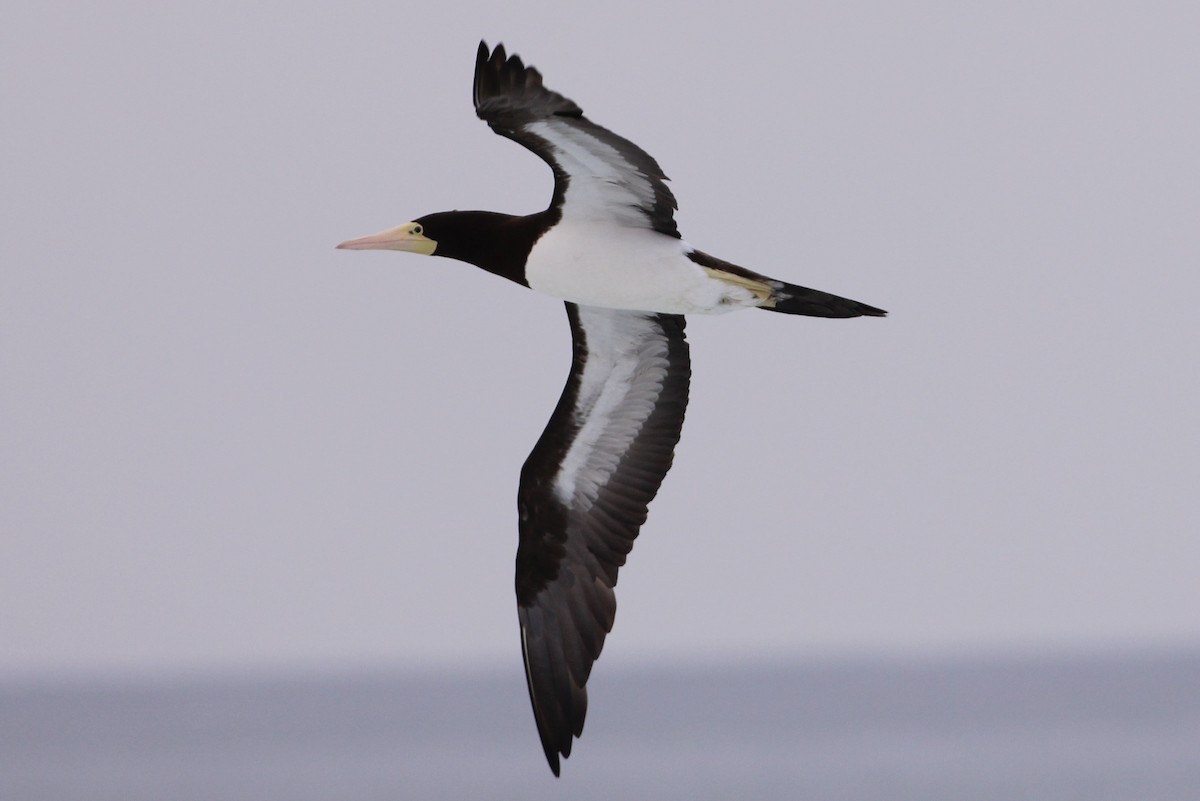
{"type": "Point", "coordinates": [409, 237]}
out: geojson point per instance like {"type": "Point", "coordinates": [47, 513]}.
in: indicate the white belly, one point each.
{"type": "Point", "coordinates": [618, 267]}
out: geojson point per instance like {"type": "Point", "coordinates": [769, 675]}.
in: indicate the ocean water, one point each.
{"type": "Point", "coordinates": [1089, 728]}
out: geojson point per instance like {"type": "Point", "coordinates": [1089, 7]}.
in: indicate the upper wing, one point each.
{"type": "Point", "coordinates": [597, 174]}
{"type": "Point", "coordinates": [583, 496]}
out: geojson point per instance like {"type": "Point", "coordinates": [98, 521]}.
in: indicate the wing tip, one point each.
{"type": "Point", "coordinates": [503, 83]}
{"type": "Point", "coordinates": [552, 758]}
{"type": "Point", "coordinates": [559, 703]}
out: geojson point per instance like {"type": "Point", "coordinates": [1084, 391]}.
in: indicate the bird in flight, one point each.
{"type": "Point", "coordinates": [608, 246]}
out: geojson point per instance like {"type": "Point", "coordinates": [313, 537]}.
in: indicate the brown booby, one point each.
{"type": "Point", "coordinates": [608, 246]}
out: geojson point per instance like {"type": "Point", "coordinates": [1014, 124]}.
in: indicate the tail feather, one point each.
{"type": "Point", "coordinates": [792, 299]}
{"type": "Point", "coordinates": [778, 296]}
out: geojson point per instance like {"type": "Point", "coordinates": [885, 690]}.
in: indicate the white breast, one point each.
{"type": "Point", "coordinates": [618, 267]}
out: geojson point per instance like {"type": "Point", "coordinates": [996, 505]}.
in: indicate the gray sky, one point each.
{"type": "Point", "coordinates": [224, 444]}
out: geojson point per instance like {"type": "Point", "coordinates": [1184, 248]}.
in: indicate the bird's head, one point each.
{"type": "Point", "coordinates": [414, 237]}
{"type": "Point", "coordinates": [496, 242]}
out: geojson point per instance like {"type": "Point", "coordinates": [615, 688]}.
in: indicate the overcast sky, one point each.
{"type": "Point", "coordinates": [224, 444]}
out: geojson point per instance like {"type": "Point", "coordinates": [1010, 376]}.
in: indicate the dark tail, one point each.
{"type": "Point", "coordinates": [780, 297]}
{"type": "Point", "coordinates": [792, 299]}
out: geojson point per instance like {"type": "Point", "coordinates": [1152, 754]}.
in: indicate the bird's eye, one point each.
{"type": "Point", "coordinates": [416, 229]}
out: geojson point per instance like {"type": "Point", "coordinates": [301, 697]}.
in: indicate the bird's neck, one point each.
{"type": "Point", "coordinates": [498, 243]}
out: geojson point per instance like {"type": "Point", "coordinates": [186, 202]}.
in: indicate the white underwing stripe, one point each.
{"type": "Point", "coordinates": [602, 183]}
{"type": "Point", "coordinates": [622, 380]}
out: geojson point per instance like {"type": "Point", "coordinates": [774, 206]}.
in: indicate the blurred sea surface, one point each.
{"type": "Point", "coordinates": [1091, 727]}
